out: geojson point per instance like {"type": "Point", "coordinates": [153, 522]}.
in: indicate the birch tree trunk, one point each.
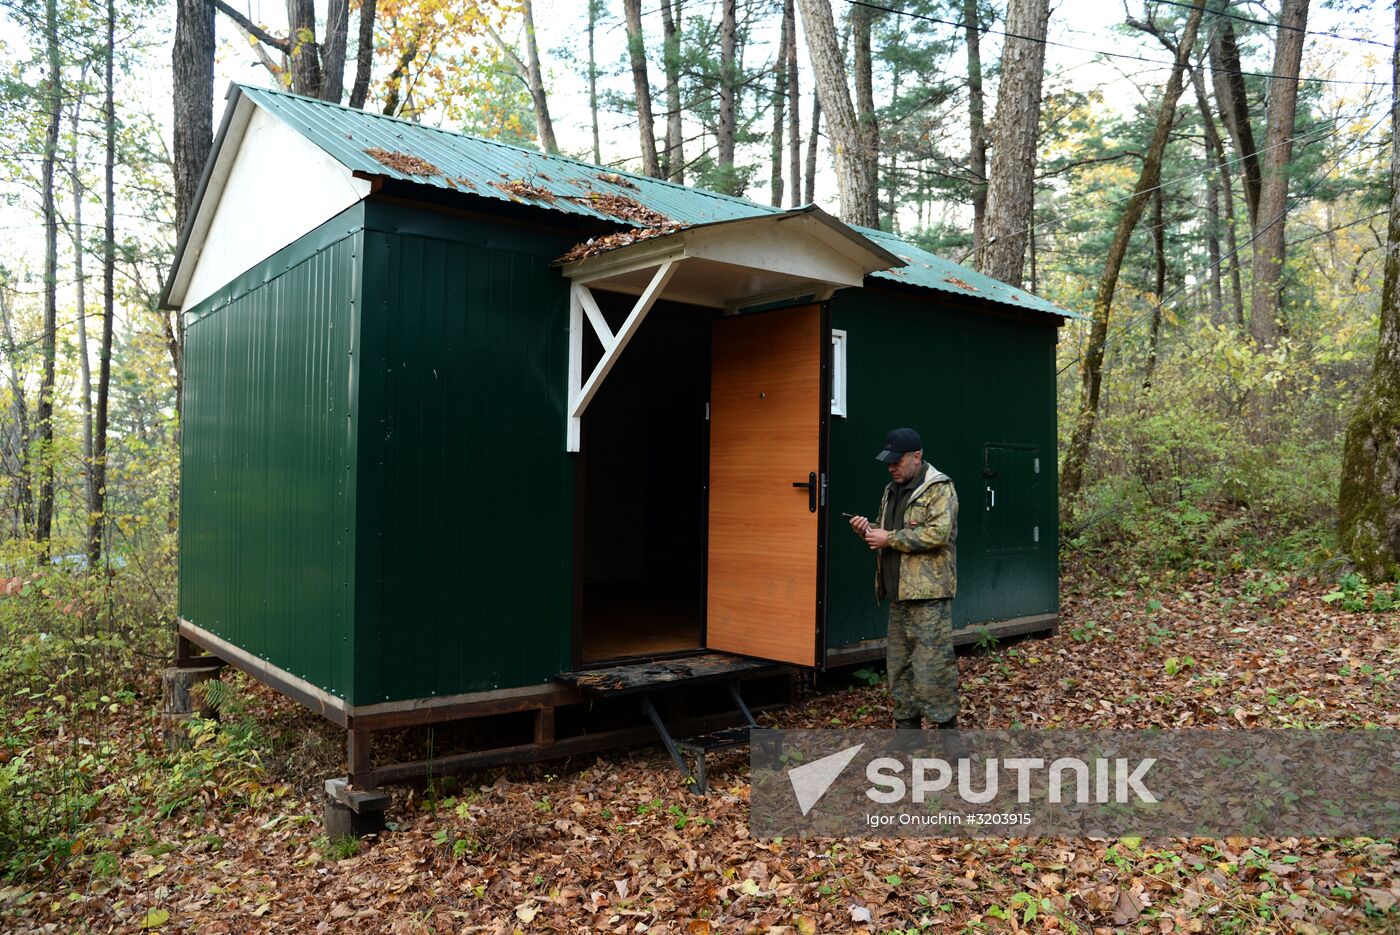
{"type": "Point", "coordinates": [1215, 156]}
{"type": "Point", "coordinates": [1369, 499]}
{"type": "Point", "coordinates": [977, 152]}
{"type": "Point", "coordinates": [1264, 313]}
{"type": "Point", "coordinates": [1091, 369]}
{"type": "Point", "coordinates": [853, 175]}
{"type": "Point", "coordinates": [364, 55]}
{"type": "Point", "coordinates": [674, 162]}
{"type": "Point", "coordinates": [1011, 183]}
{"type": "Point", "coordinates": [80, 277]}
{"type": "Point", "coordinates": [641, 84]}
{"type": "Point", "coordinates": [53, 102]}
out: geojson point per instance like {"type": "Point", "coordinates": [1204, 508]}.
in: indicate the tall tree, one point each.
{"type": "Point", "coordinates": [530, 72]}
{"type": "Point", "coordinates": [848, 141]}
{"type": "Point", "coordinates": [305, 51]}
{"type": "Point", "coordinates": [862, 22]}
{"type": "Point", "coordinates": [1231, 94]}
{"type": "Point", "coordinates": [364, 55]}
{"type": "Point", "coordinates": [779, 107]}
{"type": "Point", "coordinates": [641, 85]}
{"type": "Point", "coordinates": [98, 509]}
{"type": "Point", "coordinates": [1369, 497]}
{"type": "Point", "coordinates": [1091, 367]}
{"type": "Point", "coordinates": [794, 103]}
{"type": "Point", "coordinates": [80, 282]}
{"type": "Point", "coordinates": [977, 150]}
{"type": "Point", "coordinates": [20, 444]}
{"type": "Point", "coordinates": [333, 52]}
{"type": "Point", "coordinates": [673, 163]}
{"type": "Point", "coordinates": [53, 103]}
{"type": "Point", "coordinates": [193, 127]}
{"type": "Point", "coordinates": [1273, 169]}
{"type": "Point", "coordinates": [728, 86]}
{"type": "Point", "coordinates": [809, 185]}
{"type": "Point", "coordinates": [593, 11]}
{"type": "Point", "coordinates": [1011, 182]}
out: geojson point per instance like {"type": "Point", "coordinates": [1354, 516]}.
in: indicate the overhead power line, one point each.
{"type": "Point", "coordinates": [1123, 55]}
{"type": "Point", "coordinates": [1262, 22]}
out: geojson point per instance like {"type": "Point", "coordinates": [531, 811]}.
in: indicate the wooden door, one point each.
{"type": "Point", "coordinates": [766, 536]}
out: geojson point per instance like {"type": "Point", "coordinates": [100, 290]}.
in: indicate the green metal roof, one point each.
{"type": "Point", "coordinates": [490, 169]}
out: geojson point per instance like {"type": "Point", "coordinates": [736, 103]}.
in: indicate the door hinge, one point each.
{"type": "Point", "coordinates": [1037, 465]}
{"type": "Point", "coordinates": [707, 414]}
{"type": "Point", "coordinates": [1035, 534]}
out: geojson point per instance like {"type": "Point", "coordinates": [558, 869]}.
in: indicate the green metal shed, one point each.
{"type": "Point", "coordinates": [431, 463]}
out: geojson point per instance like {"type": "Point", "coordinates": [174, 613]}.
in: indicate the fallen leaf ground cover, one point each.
{"type": "Point", "coordinates": [226, 838]}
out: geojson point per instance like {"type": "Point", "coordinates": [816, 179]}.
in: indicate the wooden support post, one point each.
{"type": "Point", "coordinates": [544, 727]}
{"type": "Point", "coordinates": [187, 654]}
{"type": "Point", "coordinates": [353, 813]}
{"type": "Point", "coordinates": [179, 702]}
{"type": "Point", "coordinates": [357, 756]}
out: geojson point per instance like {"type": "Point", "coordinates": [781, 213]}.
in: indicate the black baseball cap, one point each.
{"type": "Point", "coordinates": [897, 443]}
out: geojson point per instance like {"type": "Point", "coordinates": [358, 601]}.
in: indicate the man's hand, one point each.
{"type": "Point", "coordinates": [860, 525]}
{"type": "Point", "coordinates": [877, 538]}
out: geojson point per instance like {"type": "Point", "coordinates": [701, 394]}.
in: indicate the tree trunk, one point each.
{"type": "Point", "coordinates": [593, 78]}
{"type": "Point", "coordinates": [1273, 191]}
{"type": "Point", "coordinates": [333, 52]}
{"type": "Point", "coordinates": [193, 93]}
{"type": "Point", "coordinates": [1234, 108]}
{"type": "Point", "coordinates": [780, 76]}
{"type": "Point", "coordinates": [853, 174]}
{"type": "Point", "coordinates": [1159, 255]}
{"type": "Point", "coordinates": [862, 19]}
{"type": "Point", "coordinates": [809, 187]}
{"type": "Point", "coordinates": [728, 79]}
{"type": "Point", "coordinates": [977, 153]}
{"type": "Point", "coordinates": [23, 449]}
{"type": "Point", "coordinates": [543, 121]}
{"type": "Point", "coordinates": [1011, 185]}
{"type": "Point", "coordinates": [97, 519]}
{"type": "Point", "coordinates": [364, 55]}
{"type": "Point", "coordinates": [637, 52]}
{"type": "Point", "coordinates": [1369, 499]}
{"type": "Point", "coordinates": [84, 365]}
{"type": "Point", "coordinates": [1091, 369]}
{"type": "Point", "coordinates": [674, 163]}
{"type": "Point", "coordinates": [794, 103]}
{"type": "Point", "coordinates": [1215, 156]}
{"type": "Point", "coordinates": [305, 55]}
{"type": "Point", "coordinates": [53, 96]}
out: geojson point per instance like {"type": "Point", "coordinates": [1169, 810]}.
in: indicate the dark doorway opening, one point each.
{"type": "Point", "coordinates": [643, 470]}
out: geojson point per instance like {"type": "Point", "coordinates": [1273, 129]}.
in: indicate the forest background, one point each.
{"type": "Point", "coordinates": [1208, 186]}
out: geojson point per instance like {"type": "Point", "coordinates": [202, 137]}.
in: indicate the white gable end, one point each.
{"type": "Point", "coordinates": [275, 186]}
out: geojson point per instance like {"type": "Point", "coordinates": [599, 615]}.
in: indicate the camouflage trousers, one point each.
{"type": "Point", "coordinates": [919, 658]}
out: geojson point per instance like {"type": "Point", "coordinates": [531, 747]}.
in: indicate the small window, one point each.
{"type": "Point", "coordinates": [838, 373]}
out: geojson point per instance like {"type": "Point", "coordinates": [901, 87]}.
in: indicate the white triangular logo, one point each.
{"type": "Point", "coordinates": [811, 780]}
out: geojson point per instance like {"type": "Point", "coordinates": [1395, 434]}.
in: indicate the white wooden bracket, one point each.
{"type": "Point", "coordinates": [582, 305]}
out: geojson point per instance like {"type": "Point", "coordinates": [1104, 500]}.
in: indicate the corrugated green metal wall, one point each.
{"type": "Point", "coordinates": [964, 381]}
{"type": "Point", "coordinates": [268, 461]}
{"type": "Point", "coordinates": [465, 583]}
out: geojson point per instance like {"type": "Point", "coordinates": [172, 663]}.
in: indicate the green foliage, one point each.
{"type": "Point", "coordinates": [871, 677]}
{"type": "Point", "coordinates": [1355, 595]}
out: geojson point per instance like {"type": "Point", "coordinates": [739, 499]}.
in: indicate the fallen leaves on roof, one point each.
{"type": "Point", "coordinates": [596, 245]}
{"type": "Point", "coordinates": [953, 280]}
{"type": "Point", "coordinates": [623, 208]}
{"type": "Point", "coordinates": [520, 189]}
{"type": "Point", "coordinates": [402, 162]}
{"type": "Point", "coordinates": [612, 178]}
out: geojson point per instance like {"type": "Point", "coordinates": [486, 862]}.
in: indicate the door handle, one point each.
{"type": "Point", "coordinates": [811, 486]}
{"type": "Point", "coordinates": [991, 498]}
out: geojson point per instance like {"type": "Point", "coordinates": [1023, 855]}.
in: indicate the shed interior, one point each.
{"type": "Point", "coordinates": [641, 476]}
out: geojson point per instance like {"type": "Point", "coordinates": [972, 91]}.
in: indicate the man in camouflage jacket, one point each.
{"type": "Point", "coordinates": [916, 567]}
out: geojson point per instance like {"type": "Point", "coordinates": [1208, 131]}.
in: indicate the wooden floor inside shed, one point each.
{"type": "Point", "coordinates": [618, 622]}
